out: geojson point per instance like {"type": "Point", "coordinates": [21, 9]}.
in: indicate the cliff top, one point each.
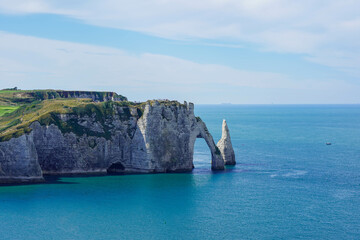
{"type": "Point", "coordinates": [13, 96]}
{"type": "Point", "coordinates": [17, 120]}
{"type": "Point", "coordinates": [20, 108]}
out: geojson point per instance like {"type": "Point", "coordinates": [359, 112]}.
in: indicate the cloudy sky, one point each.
{"type": "Point", "coordinates": [204, 51]}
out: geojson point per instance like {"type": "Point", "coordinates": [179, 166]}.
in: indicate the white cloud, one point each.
{"type": "Point", "coordinates": [316, 28]}
{"type": "Point", "coordinates": [33, 6]}
{"type": "Point", "coordinates": [29, 62]}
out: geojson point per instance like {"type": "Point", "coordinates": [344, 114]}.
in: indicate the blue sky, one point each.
{"type": "Point", "coordinates": [258, 51]}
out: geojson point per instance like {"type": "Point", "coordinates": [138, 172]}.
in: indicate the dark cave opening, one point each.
{"type": "Point", "coordinates": [116, 167]}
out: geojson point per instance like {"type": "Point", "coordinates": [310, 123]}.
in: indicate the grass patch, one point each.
{"type": "Point", "coordinates": [7, 109]}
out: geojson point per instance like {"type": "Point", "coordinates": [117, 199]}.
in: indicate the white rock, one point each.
{"type": "Point", "coordinates": [225, 146]}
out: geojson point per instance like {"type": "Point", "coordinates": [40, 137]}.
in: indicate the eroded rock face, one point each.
{"type": "Point", "coordinates": [225, 146]}
{"type": "Point", "coordinates": [160, 139]}
{"type": "Point", "coordinates": [18, 161]}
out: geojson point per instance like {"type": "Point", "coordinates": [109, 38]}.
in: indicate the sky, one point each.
{"type": "Point", "coordinates": [203, 51]}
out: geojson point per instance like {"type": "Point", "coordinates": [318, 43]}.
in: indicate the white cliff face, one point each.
{"type": "Point", "coordinates": [165, 133]}
{"type": "Point", "coordinates": [18, 161]}
{"type": "Point", "coordinates": [225, 146]}
{"type": "Point", "coordinates": [158, 138]}
{"type": "Point", "coordinates": [168, 134]}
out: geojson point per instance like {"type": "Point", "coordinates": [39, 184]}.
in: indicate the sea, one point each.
{"type": "Point", "coordinates": [287, 184]}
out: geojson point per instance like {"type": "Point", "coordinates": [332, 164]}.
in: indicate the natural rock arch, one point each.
{"type": "Point", "coordinates": [201, 131]}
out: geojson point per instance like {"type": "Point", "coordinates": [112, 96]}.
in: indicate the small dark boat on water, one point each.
{"type": "Point", "coordinates": [328, 143]}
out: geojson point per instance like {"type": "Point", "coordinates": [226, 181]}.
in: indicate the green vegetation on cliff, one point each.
{"type": "Point", "coordinates": [7, 109]}
{"type": "Point", "coordinates": [27, 96]}
{"type": "Point", "coordinates": [19, 108]}
{"type": "Point", "coordinates": [48, 112]}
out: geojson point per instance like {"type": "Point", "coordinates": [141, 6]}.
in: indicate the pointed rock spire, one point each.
{"type": "Point", "coordinates": [225, 146]}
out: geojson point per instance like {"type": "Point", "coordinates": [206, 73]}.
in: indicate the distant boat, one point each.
{"type": "Point", "coordinates": [328, 143]}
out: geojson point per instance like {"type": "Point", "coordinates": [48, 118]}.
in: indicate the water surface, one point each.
{"type": "Point", "coordinates": [288, 184]}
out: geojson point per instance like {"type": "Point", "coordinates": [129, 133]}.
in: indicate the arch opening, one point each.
{"type": "Point", "coordinates": [202, 155]}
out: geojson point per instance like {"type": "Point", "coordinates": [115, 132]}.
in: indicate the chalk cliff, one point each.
{"type": "Point", "coordinates": [57, 94]}
{"type": "Point", "coordinates": [153, 137]}
{"type": "Point", "coordinates": [19, 161]}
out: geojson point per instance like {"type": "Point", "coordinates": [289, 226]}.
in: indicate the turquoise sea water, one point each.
{"type": "Point", "coordinates": [288, 184]}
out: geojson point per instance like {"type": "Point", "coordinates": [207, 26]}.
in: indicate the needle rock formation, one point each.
{"type": "Point", "coordinates": [225, 146]}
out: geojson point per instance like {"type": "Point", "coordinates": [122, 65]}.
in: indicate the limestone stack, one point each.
{"type": "Point", "coordinates": [225, 146]}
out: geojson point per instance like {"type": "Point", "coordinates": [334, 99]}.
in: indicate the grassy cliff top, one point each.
{"type": "Point", "coordinates": [17, 122]}
{"type": "Point", "coordinates": [14, 96]}
{"type": "Point", "coordinates": [20, 108]}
